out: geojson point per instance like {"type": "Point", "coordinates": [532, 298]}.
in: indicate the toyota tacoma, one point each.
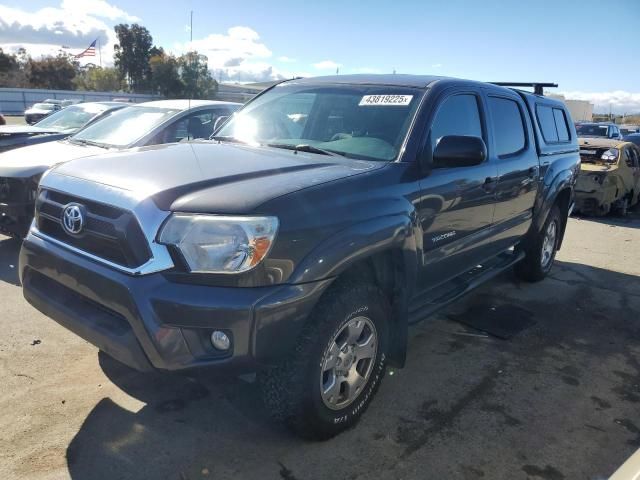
{"type": "Point", "coordinates": [303, 239]}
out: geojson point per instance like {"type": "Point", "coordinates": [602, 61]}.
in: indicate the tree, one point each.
{"type": "Point", "coordinates": [165, 75]}
{"type": "Point", "coordinates": [56, 73]}
{"type": "Point", "coordinates": [132, 54]}
{"type": "Point", "coordinates": [99, 79]}
{"type": "Point", "coordinates": [195, 74]}
{"type": "Point", "coordinates": [12, 69]}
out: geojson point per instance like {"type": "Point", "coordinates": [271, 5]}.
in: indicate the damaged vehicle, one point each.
{"type": "Point", "coordinates": [150, 123]}
{"type": "Point", "coordinates": [56, 126]}
{"type": "Point", "coordinates": [609, 177]}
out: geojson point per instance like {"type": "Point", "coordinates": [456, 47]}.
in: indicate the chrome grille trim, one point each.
{"type": "Point", "coordinates": [149, 217]}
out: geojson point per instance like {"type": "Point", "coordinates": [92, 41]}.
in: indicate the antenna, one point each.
{"type": "Point", "coordinates": [191, 54]}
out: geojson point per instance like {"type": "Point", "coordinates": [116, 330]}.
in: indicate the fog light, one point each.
{"type": "Point", "coordinates": [220, 340]}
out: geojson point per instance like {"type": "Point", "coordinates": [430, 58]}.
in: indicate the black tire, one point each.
{"type": "Point", "coordinates": [532, 268]}
{"type": "Point", "coordinates": [292, 390]}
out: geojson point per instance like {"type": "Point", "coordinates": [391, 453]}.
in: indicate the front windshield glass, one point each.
{"type": "Point", "coordinates": [43, 106]}
{"type": "Point", "coordinates": [122, 128]}
{"type": "Point", "coordinates": [592, 130]}
{"type": "Point", "coordinates": [364, 122]}
{"type": "Point", "coordinates": [71, 118]}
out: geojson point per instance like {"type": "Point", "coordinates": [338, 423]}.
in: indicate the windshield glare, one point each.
{"type": "Point", "coordinates": [43, 106]}
{"type": "Point", "coordinates": [362, 122]}
{"type": "Point", "coordinates": [71, 118]}
{"type": "Point", "coordinates": [592, 130]}
{"type": "Point", "coordinates": [124, 127]}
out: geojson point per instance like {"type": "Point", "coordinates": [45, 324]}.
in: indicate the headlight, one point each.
{"type": "Point", "coordinates": [220, 244]}
{"type": "Point", "coordinates": [610, 155]}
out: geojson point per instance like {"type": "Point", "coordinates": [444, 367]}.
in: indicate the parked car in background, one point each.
{"type": "Point", "coordinates": [150, 123]}
{"type": "Point", "coordinates": [56, 126]}
{"type": "Point", "coordinates": [633, 138]}
{"type": "Point", "coordinates": [609, 176]}
{"type": "Point", "coordinates": [598, 130]}
{"type": "Point", "coordinates": [626, 129]}
{"type": "Point", "coordinates": [40, 110]}
{"type": "Point", "coordinates": [330, 214]}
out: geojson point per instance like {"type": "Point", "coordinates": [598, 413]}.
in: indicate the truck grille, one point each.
{"type": "Point", "coordinates": [110, 233]}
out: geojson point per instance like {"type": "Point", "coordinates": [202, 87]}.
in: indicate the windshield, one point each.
{"type": "Point", "coordinates": [44, 106]}
{"type": "Point", "coordinates": [355, 121]}
{"type": "Point", "coordinates": [592, 130]}
{"type": "Point", "coordinates": [124, 127]}
{"type": "Point", "coordinates": [71, 118]}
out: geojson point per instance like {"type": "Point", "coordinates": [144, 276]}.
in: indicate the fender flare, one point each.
{"type": "Point", "coordinates": [359, 242]}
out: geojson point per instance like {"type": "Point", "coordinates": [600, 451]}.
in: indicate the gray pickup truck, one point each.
{"type": "Point", "coordinates": [303, 239]}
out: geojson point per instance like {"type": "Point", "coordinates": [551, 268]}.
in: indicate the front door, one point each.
{"type": "Point", "coordinates": [456, 204]}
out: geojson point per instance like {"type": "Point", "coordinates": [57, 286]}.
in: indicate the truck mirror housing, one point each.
{"type": "Point", "coordinates": [459, 151]}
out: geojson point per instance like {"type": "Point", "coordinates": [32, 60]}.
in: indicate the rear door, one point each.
{"type": "Point", "coordinates": [456, 204]}
{"type": "Point", "coordinates": [514, 154]}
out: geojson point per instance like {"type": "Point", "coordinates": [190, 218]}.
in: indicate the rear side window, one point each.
{"type": "Point", "coordinates": [458, 115]}
{"type": "Point", "coordinates": [547, 124]}
{"type": "Point", "coordinates": [553, 123]}
{"type": "Point", "coordinates": [561, 125]}
{"type": "Point", "coordinates": [508, 126]}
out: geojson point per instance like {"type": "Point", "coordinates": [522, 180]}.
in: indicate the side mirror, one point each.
{"type": "Point", "coordinates": [218, 123]}
{"type": "Point", "coordinates": [459, 151]}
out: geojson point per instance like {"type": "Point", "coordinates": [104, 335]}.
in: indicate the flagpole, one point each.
{"type": "Point", "coordinates": [99, 52]}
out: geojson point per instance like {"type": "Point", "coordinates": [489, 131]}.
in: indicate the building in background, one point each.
{"type": "Point", "coordinates": [580, 110]}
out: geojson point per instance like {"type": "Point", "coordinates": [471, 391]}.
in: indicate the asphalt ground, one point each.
{"type": "Point", "coordinates": [559, 400]}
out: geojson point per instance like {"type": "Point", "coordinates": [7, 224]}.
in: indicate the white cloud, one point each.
{"type": "Point", "coordinates": [74, 24]}
{"type": "Point", "coordinates": [237, 56]}
{"type": "Point", "coordinates": [619, 101]}
{"type": "Point", "coordinates": [436, 65]}
{"type": "Point", "coordinates": [285, 59]}
{"type": "Point", "coordinates": [97, 8]}
{"type": "Point", "coordinates": [327, 65]}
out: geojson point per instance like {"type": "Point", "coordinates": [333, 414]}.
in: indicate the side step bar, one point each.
{"type": "Point", "coordinates": [426, 304]}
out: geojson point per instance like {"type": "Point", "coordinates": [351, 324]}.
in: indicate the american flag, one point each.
{"type": "Point", "coordinates": [90, 51]}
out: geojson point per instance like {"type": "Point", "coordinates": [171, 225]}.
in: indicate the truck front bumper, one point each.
{"type": "Point", "coordinates": [149, 322]}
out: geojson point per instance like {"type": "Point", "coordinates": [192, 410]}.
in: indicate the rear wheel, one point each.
{"type": "Point", "coordinates": [337, 366]}
{"type": "Point", "coordinates": [541, 250]}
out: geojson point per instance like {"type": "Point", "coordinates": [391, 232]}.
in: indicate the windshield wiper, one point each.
{"type": "Point", "coordinates": [227, 138]}
{"type": "Point", "coordinates": [81, 141]}
{"type": "Point", "coordinates": [303, 147]}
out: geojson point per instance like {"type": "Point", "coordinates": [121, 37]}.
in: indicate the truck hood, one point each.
{"type": "Point", "coordinates": [207, 177]}
{"type": "Point", "coordinates": [35, 159]}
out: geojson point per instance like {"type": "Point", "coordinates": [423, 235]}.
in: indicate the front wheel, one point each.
{"type": "Point", "coordinates": [337, 366]}
{"type": "Point", "coordinates": [541, 250]}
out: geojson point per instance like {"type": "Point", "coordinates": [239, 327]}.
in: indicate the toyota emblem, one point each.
{"type": "Point", "coordinates": [73, 219]}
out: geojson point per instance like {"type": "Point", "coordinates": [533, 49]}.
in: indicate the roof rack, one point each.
{"type": "Point", "coordinates": [537, 86]}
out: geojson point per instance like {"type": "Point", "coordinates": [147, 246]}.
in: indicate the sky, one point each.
{"type": "Point", "coordinates": [589, 47]}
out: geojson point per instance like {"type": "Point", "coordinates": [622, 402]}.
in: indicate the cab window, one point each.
{"type": "Point", "coordinates": [508, 126]}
